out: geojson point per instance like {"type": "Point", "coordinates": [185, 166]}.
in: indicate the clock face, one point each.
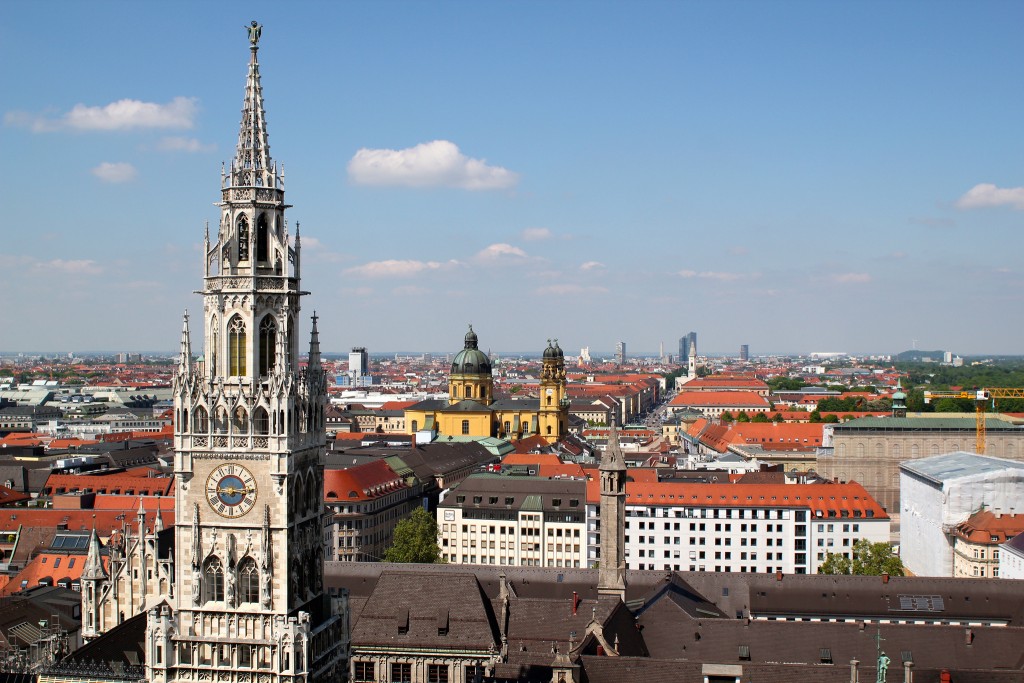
{"type": "Point", "coordinates": [550, 391]}
{"type": "Point", "coordinates": [231, 490]}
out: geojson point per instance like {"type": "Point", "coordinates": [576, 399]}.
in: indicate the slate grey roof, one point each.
{"type": "Point", "coordinates": [940, 468]}
{"type": "Point", "coordinates": [465, 406]}
{"type": "Point", "coordinates": [440, 611]}
{"type": "Point", "coordinates": [530, 404]}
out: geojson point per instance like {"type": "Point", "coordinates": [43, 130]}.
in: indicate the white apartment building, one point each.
{"type": "Point", "coordinates": [739, 527]}
{"type": "Point", "coordinates": [514, 520]}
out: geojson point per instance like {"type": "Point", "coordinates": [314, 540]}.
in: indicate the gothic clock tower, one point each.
{"type": "Point", "coordinates": [249, 603]}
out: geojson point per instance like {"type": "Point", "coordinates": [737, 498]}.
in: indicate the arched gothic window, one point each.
{"type": "Point", "coordinates": [262, 239]}
{"type": "Point", "coordinates": [213, 573]}
{"type": "Point", "coordinates": [248, 581]}
{"type": "Point", "coordinates": [200, 421]}
{"type": "Point", "coordinates": [260, 422]}
{"type": "Point", "coordinates": [236, 347]}
{"type": "Point", "coordinates": [220, 422]}
{"type": "Point", "coordinates": [240, 423]}
{"type": "Point", "coordinates": [268, 345]}
{"type": "Point", "coordinates": [243, 238]}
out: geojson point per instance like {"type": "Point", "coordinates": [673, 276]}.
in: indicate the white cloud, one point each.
{"type": "Point", "coordinates": [115, 172]}
{"type": "Point", "coordinates": [716, 275]}
{"type": "Point", "coordinates": [180, 144]}
{"type": "Point", "coordinates": [121, 115]}
{"type": "Point", "coordinates": [592, 265]}
{"type": "Point", "coordinates": [536, 234]}
{"type": "Point", "coordinates": [851, 278]}
{"type": "Point", "coordinates": [319, 251]}
{"type": "Point", "coordinates": [429, 164]}
{"type": "Point", "coordinates": [71, 266]}
{"type": "Point", "coordinates": [987, 194]}
{"type": "Point", "coordinates": [498, 251]}
{"type": "Point", "coordinates": [399, 268]}
{"type": "Point", "coordinates": [409, 290]}
{"type": "Point", "coordinates": [567, 289]}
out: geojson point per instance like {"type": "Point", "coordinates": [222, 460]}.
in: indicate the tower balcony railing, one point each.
{"type": "Point", "coordinates": [281, 283]}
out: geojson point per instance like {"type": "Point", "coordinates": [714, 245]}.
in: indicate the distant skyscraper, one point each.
{"type": "Point", "coordinates": [620, 352]}
{"type": "Point", "coordinates": [358, 362]}
{"type": "Point", "coordinates": [687, 344]}
{"type": "Point", "coordinates": [744, 352]}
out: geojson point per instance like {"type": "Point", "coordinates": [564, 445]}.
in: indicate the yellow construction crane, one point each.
{"type": "Point", "coordinates": [981, 397]}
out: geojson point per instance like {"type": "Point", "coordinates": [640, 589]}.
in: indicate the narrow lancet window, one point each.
{"type": "Point", "coordinates": [236, 347]}
{"type": "Point", "coordinates": [243, 239]}
{"type": "Point", "coordinates": [268, 345]}
{"type": "Point", "coordinates": [262, 239]}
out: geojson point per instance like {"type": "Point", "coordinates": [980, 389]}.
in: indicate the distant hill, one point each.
{"type": "Point", "coordinates": [917, 355]}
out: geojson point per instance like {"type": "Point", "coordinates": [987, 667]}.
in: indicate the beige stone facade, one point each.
{"type": "Point", "coordinates": [870, 450]}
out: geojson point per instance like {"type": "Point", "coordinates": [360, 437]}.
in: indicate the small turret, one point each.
{"type": "Point", "coordinates": [93, 570]}
{"type": "Point", "coordinates": [185, 357]}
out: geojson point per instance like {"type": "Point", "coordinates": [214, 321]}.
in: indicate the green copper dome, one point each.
{"type": "Point", "coordinates": [471, 360]}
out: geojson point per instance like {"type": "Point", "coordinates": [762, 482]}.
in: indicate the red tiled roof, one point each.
{"type": "Point", "coordinates": [51, 567]}
{"type": "Point", "coordinates": [122, 483]}
{"type": "Point", "coordinates": [9, 496]}
{"type": "Point", "coordinates": [987, 527]}
{"type": "Point", "coordinates": [739, 399]}
{"type": "Point", "coordinates": [362, 482]}
{"type": "Point", "coordinates": [104, 521]}
{"type": "Point", "coordinates": [724, 383]}
{"type": "Point", "coordinates": [848, 497]}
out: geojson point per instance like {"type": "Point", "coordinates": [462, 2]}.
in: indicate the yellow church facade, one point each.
{"type": "Point", "coordinates": [471, 409]}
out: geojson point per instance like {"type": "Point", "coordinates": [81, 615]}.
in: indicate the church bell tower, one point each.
{"type": "Point", "coordinates": [249, 448]}
{"type": "Point", "coordinates": [553, 415]}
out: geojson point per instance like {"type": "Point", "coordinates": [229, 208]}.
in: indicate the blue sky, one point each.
{"type": "Point", "coordinates": [796, 176]}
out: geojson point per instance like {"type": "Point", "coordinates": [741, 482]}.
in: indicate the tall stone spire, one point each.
{"type": "Point", "coordinates": [185, 358]}
{"type": "Point", "coordinates": [314, 344]}
{"type": "Point", "coordinates": [93, 569]}
{"type": "Point", "coordinates": [252, 165]}
{"type": "Point", "coordinates": [612, 573]}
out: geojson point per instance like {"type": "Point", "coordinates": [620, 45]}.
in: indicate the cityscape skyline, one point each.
{"type": "Point", "coordinates": [488, 165]}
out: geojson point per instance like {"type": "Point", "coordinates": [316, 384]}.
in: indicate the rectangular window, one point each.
{"type": "Point", "coordinates": [401, 673]}
{"type": "Point", "coordinates": [437, 673]}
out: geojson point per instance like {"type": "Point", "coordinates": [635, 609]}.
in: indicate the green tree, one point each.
{"type": "Point", "coordinates": [869, 559]}
{"type": "Point", "coordinates": [415, 540]}
{"type": "Point", "coordinates": [742, 416]}
{"type": "Point", "coordinates": [831, 419]}
{"type": "Point", "coordinates": [952, 405]}
{"type": "Point", "coordinates": [761, 418]}
{"type": "Point", "coordinates": [726, 416]}
{"type": "Point", "coordinates": [778, 418]}
{"type": "Point", "coordinates": [815, 416]}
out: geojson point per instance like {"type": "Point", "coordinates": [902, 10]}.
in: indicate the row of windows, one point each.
{"type": "Point", "coordinates": [401, 672]}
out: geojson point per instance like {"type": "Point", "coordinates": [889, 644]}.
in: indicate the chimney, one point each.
{"type": "Point", "coordinates": [969, 637]}
{"type": "Point", "coordinates": [778, 576]}
{"type": "Point", "coordinates": [854, 678]}
{"type": "Point", "coordinates": [575, 602]}
{"type": "Point", "coordinates": [885, 577]}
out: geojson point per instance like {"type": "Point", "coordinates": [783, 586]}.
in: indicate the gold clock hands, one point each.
{"type": "Point", "coordinates": [231, 490]}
